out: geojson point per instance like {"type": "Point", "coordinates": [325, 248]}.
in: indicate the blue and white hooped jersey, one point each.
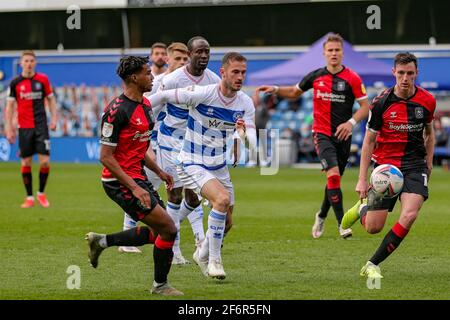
{"type": "Point", "coordinates": [159, 112]}
{"type": "Point", "coordinates": [211, 124]}
{"type": "Point", "coordinates": [173, 128]}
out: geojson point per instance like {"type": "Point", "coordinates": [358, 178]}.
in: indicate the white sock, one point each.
{"type": "Point", "coordinates": [128, 222]}
{"type": "Point", "coordinates": [204, 248]}
{"type": "Point", "coordinates": [195, 216]}
{"type": "Point", "coordinates": [173, 211]}
{"type": "Point", "coordinates": [216, 227]}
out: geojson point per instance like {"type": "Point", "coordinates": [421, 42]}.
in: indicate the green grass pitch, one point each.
{"type": "Point", "coordinates": [269, 253]}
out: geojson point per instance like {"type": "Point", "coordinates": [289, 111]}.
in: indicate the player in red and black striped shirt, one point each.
{"type": "Point", "coordinates": [29, 91]}
{"type": "Point", "coordinates": [125, 138]}
{"type": "Point", "coordinates": [400, 132]}
{"type": "Point", "coordinates": [336, 88]}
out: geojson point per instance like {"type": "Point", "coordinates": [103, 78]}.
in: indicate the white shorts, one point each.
{"type": "Point", "coordinates": [195, 177]}
{"type": "Point", "coordinates": [167, 162]}
{"type": "Point", "coordinates": [153, 178]}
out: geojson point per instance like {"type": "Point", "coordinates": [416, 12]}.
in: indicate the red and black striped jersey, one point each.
{"type": "Point", "coordinates": [334, 96]}
{"type": "Point", "coordinates": [400, 123]}
{"type": "Point", "coordinates": [30, 93]}
{"type": "Point", "coordinates": [127, 125]}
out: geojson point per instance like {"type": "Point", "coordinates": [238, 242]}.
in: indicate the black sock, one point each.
{"type": "Point", "coordinates": [43, 176]}
{"type": "Point", "coordinates": [27, 179]}
{"type": "Point", "coordinates": [390, 242]}
{"type": "Point", "coordinates": [162, 259]}
{"type": "Point", "coordinates": [335, 198]}
{"type": "Point", "coordinates": [133, 237]}
{"type": "Point", "coordinates": [325, 205]}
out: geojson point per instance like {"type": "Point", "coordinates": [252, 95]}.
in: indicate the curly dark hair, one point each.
{"type": "Point", "coordinates": [130, 65]}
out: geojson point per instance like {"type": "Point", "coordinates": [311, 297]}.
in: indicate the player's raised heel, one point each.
{"type": "Point", "coordinates": [203, 264]}
{"type": "Point", "coordinates": [95, 249]}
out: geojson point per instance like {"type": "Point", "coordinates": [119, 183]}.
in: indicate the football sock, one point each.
{"type": "Point", "coordinates": [27, 180]}
{"type": "Point", "coordinates": [204, 248]}
{"type": "Point", "coordinates": [390, 242]}
{"type": "Point", "coordinates": [334, 194]}
{"type": "Point", "coordinates": [196, 221]}
{"type": "Point", "coordinates": [162, 258]}
{"type": "Point", "coordinates": [43, 176]}
{"type": "Point", "coordinates": [173, 211]}
{"type": "Point", "coordinates": [325, 205]}
{"type": "Point", "coordinates": [195, 217]}
{"type": "Point", "coordinates": [128, 222]}
{"type": "Point", "coordinates": [132, 237]}
{"type": "Point", "coordinates": [216, 227]}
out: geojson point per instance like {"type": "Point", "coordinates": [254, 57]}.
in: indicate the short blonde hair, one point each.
{"type": "Point", "coordinates": [177, 46]}
{"type": "Point", "coordinates": [334, 37]}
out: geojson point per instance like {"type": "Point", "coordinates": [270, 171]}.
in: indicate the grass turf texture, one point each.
{"type": "Point", "coordinates": [269, 254]}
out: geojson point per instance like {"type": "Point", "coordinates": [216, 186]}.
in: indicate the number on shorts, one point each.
{"type": "Point", "coordinates": [425, 179]}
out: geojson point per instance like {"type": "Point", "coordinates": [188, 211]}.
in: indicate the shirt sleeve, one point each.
{"type": "Point", "coordinates": [358, 88]}
{"type": "Point", "coordinates": [48, 91]}
{"type": "Point", "coordinates": [307, 82]}
{"type": "Point", "coordinates": [12, 91]}
{"type": "Point", "coordinates": [113, 120]}
{"type": "Point", "coordinates": [375, 120]}
{"type": "Point", "coordinates": [432, 110]}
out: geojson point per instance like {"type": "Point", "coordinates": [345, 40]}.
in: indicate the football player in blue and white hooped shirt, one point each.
{"type": "Point", "coordinates": [216, 113]}
{"type": "Point", "coordinates": [170, 139]}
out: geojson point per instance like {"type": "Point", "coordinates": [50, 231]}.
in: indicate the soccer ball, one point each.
{"type": "Point", "coordinates": [386, 180]}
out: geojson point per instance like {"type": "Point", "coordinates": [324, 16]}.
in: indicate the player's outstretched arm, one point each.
{"type": "Point", "coordinates": [189, 96]}
{"type": "Point", "coordinates": [366, 155]}
{"type": "Point", "coordinates": [290, 92]}
{"type": "Point", "coordinates": [108, 160]}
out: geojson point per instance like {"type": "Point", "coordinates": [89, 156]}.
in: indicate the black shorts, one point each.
{"type": "Point", "coordinates": [32, 141]}
{"type": "Point", "coordinates": [332, 152]}
{"type": "Point", "coordinates": [414, 181]}
{"type": "Point", "coordinates": [128, 202]}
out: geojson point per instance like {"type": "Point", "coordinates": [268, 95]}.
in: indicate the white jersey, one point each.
{"type": "Point", "coordinates": [159, 112]}
{"type": "Point", "coordinates": [173, 128]}
{"type": "Point", "coordinates": [210, 122]}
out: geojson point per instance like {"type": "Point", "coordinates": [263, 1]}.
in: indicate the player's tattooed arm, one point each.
{"type": "Point", "coordinates": [108, 160]}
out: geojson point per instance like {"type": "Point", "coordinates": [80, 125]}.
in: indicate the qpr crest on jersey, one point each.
{"type": "Point", "coordinates": [107, 129]}
{"type": "Point", "coordinates": [238, 115]}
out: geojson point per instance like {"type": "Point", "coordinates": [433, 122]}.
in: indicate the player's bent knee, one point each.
{"type": "Point", "coordinates": [373, 229]}
{"type": "Point", "coordinates": [223, 201]}
{"type": "Point", "coordinates": [175, 197]}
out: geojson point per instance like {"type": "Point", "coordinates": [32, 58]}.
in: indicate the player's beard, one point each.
{"type": "Point", "coordinates": [160, 63]}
